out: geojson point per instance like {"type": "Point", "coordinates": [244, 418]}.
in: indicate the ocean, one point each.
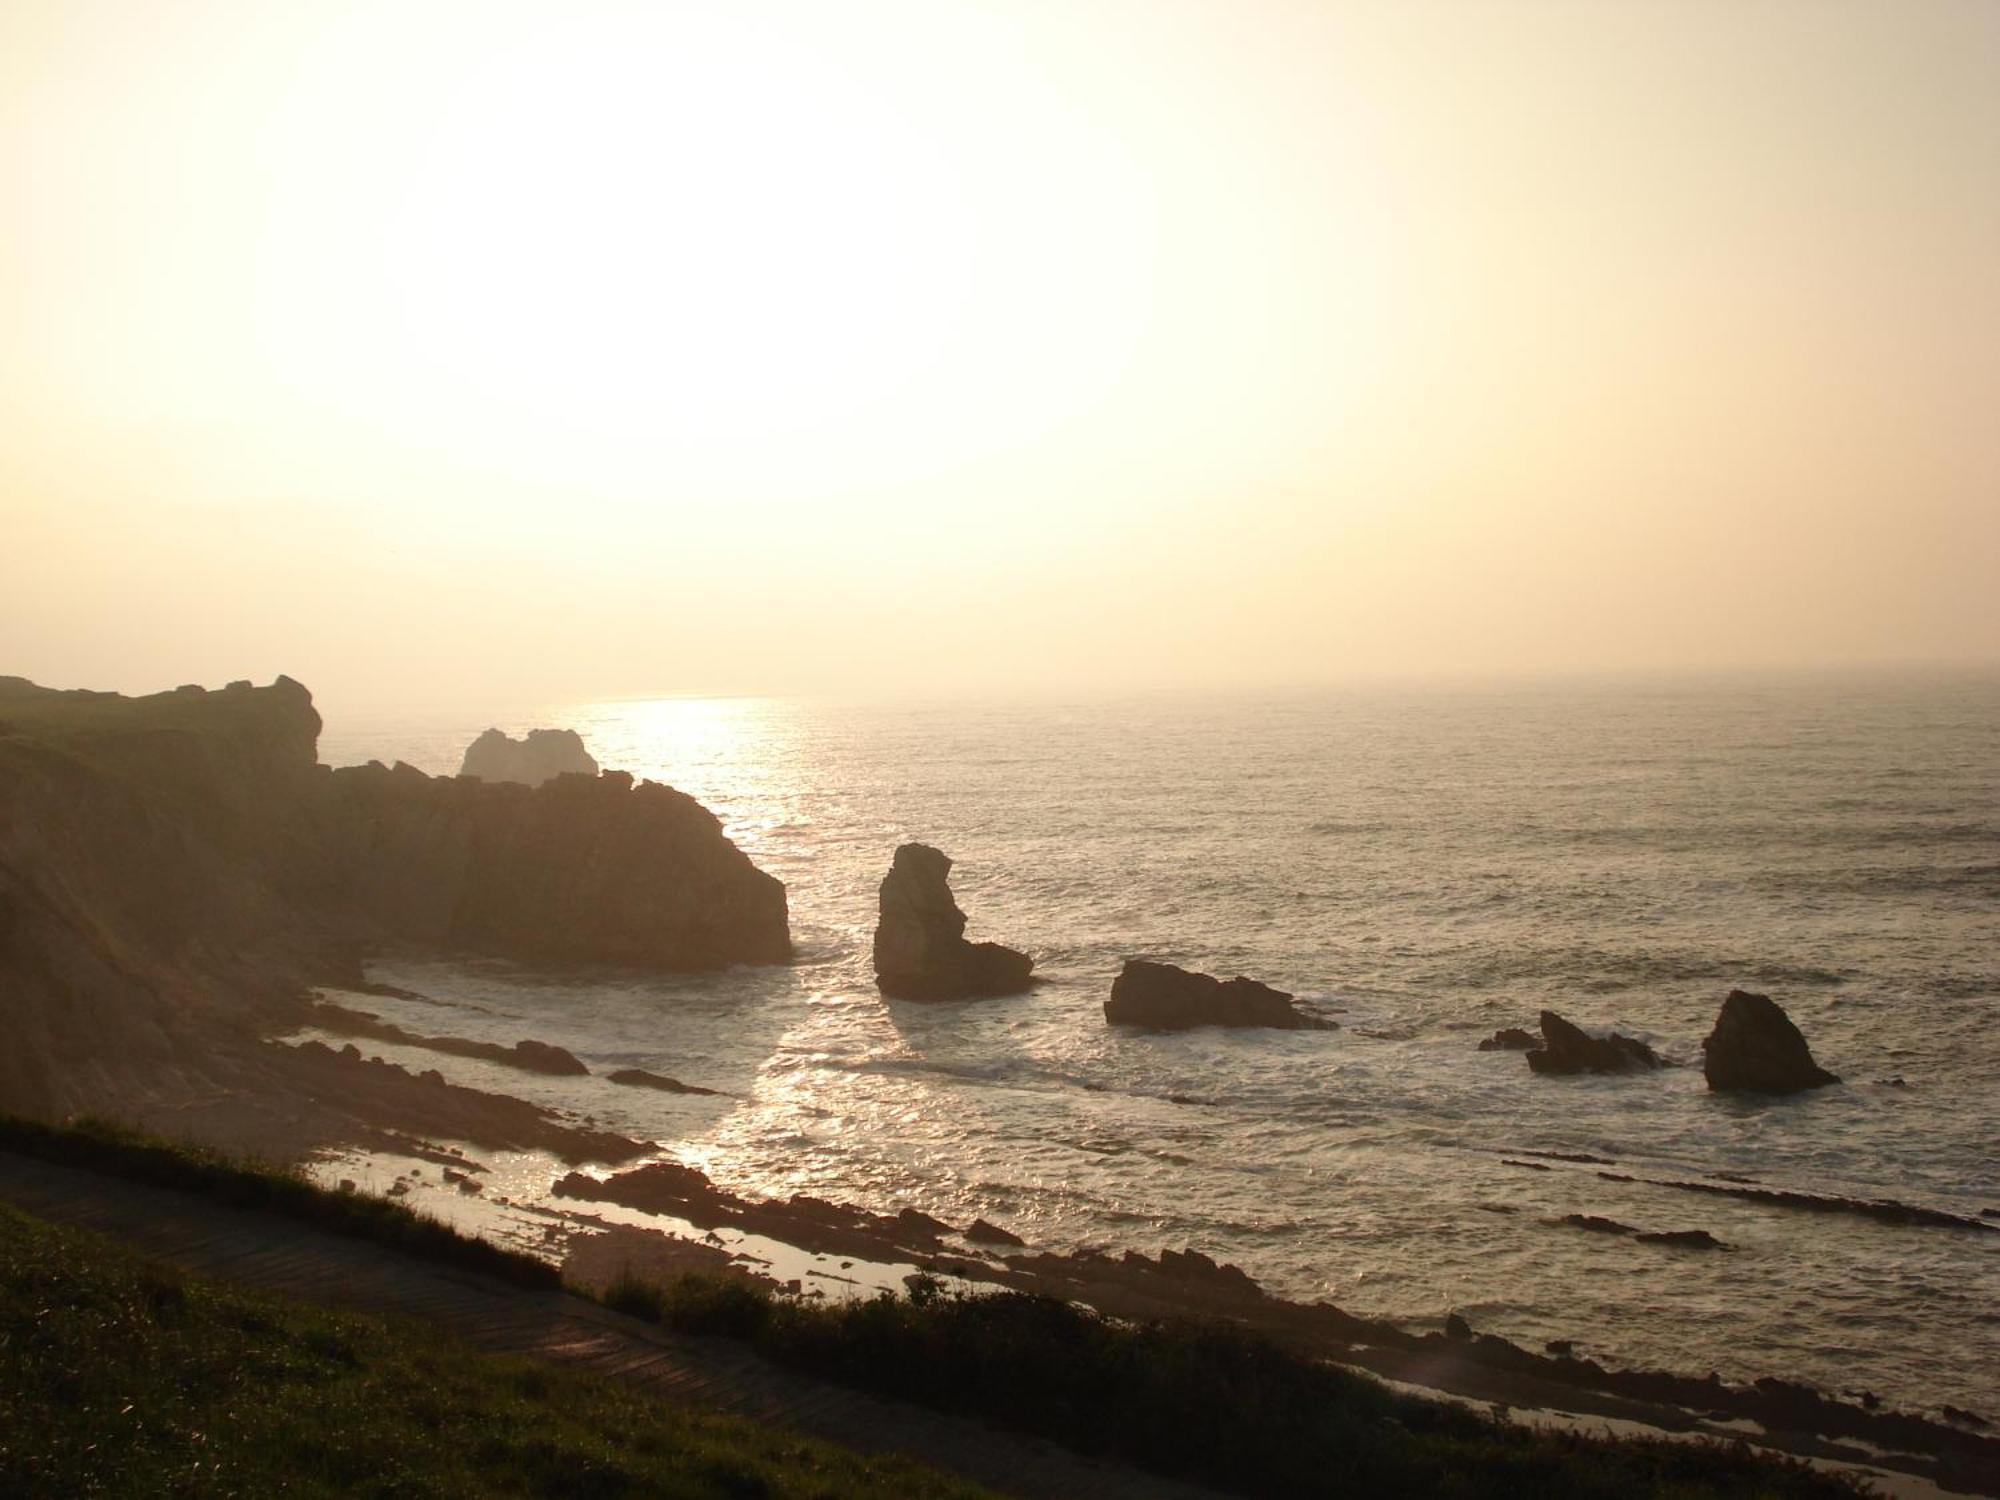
{"type": "Point", "coordinates": [1422, 866]}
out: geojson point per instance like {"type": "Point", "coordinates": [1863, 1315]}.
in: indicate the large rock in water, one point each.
{"type": "Point", "coordinates": [582, 869]}
{"type": "Point", "coordinates": [542, 755]}
{"type": "Point", "coordinates": [1169, 998]}
{"type": "Point", "coordinates": [920, 947]}
{"type": "Point", "coordinates": [1571, 1049]}
{"type": "Point", "coordinates": [1755, 1046]}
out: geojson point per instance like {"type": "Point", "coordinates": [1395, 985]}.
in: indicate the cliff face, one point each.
{"type": "Point", "coordinates": [176, 869]}
{"type": "Point", "coordinates": [145, 848]}
{"type": "Point", "coordinates": [585, 869]}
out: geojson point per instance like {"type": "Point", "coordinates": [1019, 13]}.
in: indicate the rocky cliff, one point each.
{"type": "Point", "coordinates": [176, 870]}
{"type": "Point", "coordinates": [582, 869]}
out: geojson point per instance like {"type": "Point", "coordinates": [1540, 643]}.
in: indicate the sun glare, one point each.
{"type": "Point", "coordinates": [679, 241]}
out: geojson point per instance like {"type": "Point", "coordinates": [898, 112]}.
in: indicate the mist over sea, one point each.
{"type": "Point", "coordinates": [1425, 867]}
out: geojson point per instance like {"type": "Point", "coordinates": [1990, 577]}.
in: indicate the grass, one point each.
{"type": "Point", "coordinates": [103, 1146]}
{"type": "Point", "coordinates": [121, 1377]}
{"type": "Point", "coordinates": [1204, 1401]}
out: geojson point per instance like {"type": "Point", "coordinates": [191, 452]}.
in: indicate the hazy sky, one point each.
{"type": "Point", "coordinates": [530, 352]}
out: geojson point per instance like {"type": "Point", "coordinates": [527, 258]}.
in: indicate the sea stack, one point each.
{"type": "Point", "coordinates": [1168, 998]}
{"type": "Point", "coordinates": [1755, 1047]}
{"type": "Point", "coordinates": [1567, 1048]}
{"type": "Point", "coordinates": [920, 947]}
{"type": "Point", "coordinates": [542, 755]}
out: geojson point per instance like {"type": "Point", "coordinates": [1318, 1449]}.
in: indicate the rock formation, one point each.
{"type": "Point", "coordinates": [1570, 1049]}
{"type": "Point", "coordinates": [578, 870]}
{"type": "Point", "coordinates": [1755, 1046]}
{"type": "Point", "coordinates": [1509, 1039]}
{"type": "Point", "coordinates": [542, 755]}
{"type": "Point", "coordinates": [176, 872]}
{"type": "Point", "coordinates": [1168, 998]}
{"type": "Point", "coordinates": [920, 947]}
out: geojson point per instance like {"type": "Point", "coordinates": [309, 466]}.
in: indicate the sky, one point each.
{"type": "Point", "coordinates": [504, 353]}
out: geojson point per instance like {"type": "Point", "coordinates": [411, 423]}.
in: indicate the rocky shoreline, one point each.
{"type": "Point", "coordinates": [1792, 1417]}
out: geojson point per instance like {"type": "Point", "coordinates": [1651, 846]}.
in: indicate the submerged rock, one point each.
{"type": "Point", "coordinates": [920, 947]}
{"type": "Point", "coordinates": [1566, 1048]}
{"type": "Point", "coordinates": [1509, 1039]}
{"type": "Point", "coordinates": [639, 1078]}
{"type": "Point", "coordinates": [1169, 998]}
{"type": "Point", "coordinates": [541, 755]}
{"type": "Point", "coordinates": [1755, 1046]}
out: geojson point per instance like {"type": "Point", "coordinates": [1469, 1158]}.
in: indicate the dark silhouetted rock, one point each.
{"type": "Point", "coordinates": [1570, 1049]}
{"type": "Point", "coordinates": [542, 755]}
{"type": "Point", "coordinates": [582, 869]}
{"type": "Point", "coordinates": [1683, 1239]}
{"type": "Point", "coordinates": [1168, 998]}
{"type": "Point", "coordinates": [1455, 1327]}
{"type": "Point", "coordinates": [639, 1078]}
{"type": "Point", "coordinates": [1596, 1224]}
{"type": "Point", "coordinates": [1755, 1046]}
{"type": "Point", "coordinates": [1509, 1039]}
{"type": "Point", "coordinates": [984, 1233]}
{"type": "Point", "coordinates": [920, 947]}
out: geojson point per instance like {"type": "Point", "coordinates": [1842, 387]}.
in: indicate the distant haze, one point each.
{"type": "Point", "coordinates": [563, 351]}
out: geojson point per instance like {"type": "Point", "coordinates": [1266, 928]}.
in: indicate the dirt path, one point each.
{"type": "Point", "coordinates": [274, 1254]}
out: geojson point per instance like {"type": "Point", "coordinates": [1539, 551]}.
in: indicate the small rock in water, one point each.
{"type": "Point", "coordinates": [1509, 1039]}
{"type": "Point", "coordinates": [1597, 1225]}
{"type": "Point", "coordinates": [1567, 1048]}
{"type": "Point", "coordinates": [1167, 997]}
{"type": "Point", "coordinates": [1456, 1327]}
{"type": "Point", "coordinates": [1683, 1239]}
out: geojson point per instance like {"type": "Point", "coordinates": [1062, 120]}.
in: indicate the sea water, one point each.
{"type": "Point", "coordinates": [1422, 866]}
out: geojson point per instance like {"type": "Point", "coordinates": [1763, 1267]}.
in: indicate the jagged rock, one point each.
{"type": "Point", "coordinates": [541, 755]}
{"type": "Point", "coordinates": [1755, 1046]}
{"type": "Point", "coordinates": [1509, 1039]}
{"type": "Point", "coordinates": [1169, 998]}
{"type": "Point", "coordinates": [1570, 1049]}
{"type": "Point", "coordinates": [920, 947]}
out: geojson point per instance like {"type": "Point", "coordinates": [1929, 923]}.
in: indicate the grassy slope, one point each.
{"type": "Point", "coordinates": [1203, 1400]}
{"type": "Point", "coordinates": [120, 1377]}
{"type": "Point", "coordinates": [104, 1146]}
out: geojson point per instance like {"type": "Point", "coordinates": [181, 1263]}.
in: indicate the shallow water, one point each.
{"type": "Point", "coordinates": [1426, 867]}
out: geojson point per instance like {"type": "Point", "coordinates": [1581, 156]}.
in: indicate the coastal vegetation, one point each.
{"type": "Point", "coordinates": [1201, 1400]}
{"type": "Point", "coordinates": [122, 1376]}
